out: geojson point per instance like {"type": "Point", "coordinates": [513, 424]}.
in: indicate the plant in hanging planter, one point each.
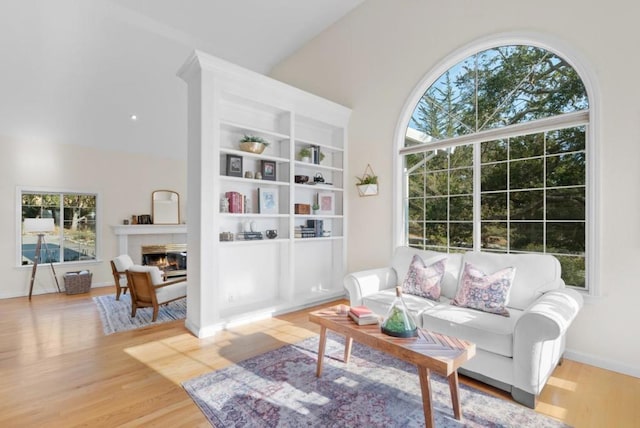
{"type": "Point", "coordinates": [253, 144]}
{"type": "Point", "coordinates": [315, 207]}
{"type": "Point", "coordinates": [367, 184]}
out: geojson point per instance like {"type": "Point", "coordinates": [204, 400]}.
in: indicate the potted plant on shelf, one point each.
{"type": "Point", "coordinates": [315, 207]}
{"type": "Point", "coordinates": [305, 154]}
{"type": "Point", "coordinates": [253, 144]}
{"type": "Point", "coordinates": [368, 183]}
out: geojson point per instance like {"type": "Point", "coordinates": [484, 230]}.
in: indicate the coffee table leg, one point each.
{"type": "Point", "coordinates": [347, 348]}
{"type": "Point", "coordinates": [425, 386]}
{"type": "Point", "coordinates": [321, 346]}
{"type": "Point", "coordinates": [455, 397]}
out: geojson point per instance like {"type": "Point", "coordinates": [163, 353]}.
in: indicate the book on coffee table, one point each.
{"type": "Point", "coordinates": [363, 315]}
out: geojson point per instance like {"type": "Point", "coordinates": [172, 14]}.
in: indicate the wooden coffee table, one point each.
{"type": "Point", "coordinates": [428, 351]}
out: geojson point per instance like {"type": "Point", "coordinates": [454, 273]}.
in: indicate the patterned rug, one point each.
{"type": "Point", "coordinates": [116, 314]}
{"type": "Point", "coordinates": [280, 389]}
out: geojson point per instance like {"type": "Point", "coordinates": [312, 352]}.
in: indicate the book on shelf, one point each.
{"type": "Point", "coordinates": [236, 202]}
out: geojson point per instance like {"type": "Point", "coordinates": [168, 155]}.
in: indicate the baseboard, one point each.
{"type": "Point", "coordinates": [602, 363]}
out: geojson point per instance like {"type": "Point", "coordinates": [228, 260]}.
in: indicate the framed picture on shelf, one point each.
{"type": "Point", "coordinates": [234, 166]}
{"type": "Point", "coordinates": [267, 201]}
{"type": "Point", "coordinates": [326, 203]}
{"type": "Point", "coordinates": [268, 170]}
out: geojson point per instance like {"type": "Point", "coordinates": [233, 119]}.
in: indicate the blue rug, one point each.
{"type": "Point", "coordinates": [116, 314]}
{"type": "Point", "coordinates": [280, 389]}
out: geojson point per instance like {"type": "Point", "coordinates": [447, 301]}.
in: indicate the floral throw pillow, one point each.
{"type": "Point", "coordinates": [423, 280]}
{"type": "Point", "coordinates": [488, 293]}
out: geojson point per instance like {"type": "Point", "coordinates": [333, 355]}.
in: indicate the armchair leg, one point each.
{"type": "Point", "coordinates": [117, 293]}
{"type": "Point", "coordinates": [133, 309]}
{"type": "Point", "coordinates": [155, 313]}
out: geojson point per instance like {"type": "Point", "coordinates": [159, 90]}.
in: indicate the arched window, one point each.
{"type": "Point", "coordinates": [495, 159]}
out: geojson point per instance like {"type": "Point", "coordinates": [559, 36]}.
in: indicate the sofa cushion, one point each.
{"type": "Point", "coordinates": [484, 292]}
{"type": "Point", "coordinates": [423, 278]}
{"type": "Point", "coordinates": [154, 271]}
{"type": "Point", "coordinates": [402, 257]}
{"type": "Point", "coordinates": [536, 274]}
{"type": "Point", "coordinates": [488, 331]}
{"type": "Point", "coordinates": [171, 292]}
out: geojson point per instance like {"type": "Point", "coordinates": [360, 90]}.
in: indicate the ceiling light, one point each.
{"type": "Point", "coordinates": [133, 117]}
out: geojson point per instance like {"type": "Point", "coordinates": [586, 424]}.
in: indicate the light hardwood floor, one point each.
{"type": "Point", "coordinates": [57, 369]}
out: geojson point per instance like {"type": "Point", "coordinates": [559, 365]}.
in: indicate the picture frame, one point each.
{"type": "Point", "coordinates": [268, 201]}
{"type": "Point", "coordinates": [268, 170]}
{"type": "Point", "coordinates": [234, 166]}
{"type": "Point", "coordinates": [326, 203]}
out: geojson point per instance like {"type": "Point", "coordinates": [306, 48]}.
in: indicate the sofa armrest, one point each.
{"type": "Point", "coordinates": [539, 337]}
{"type": "Point", "coordinates": [367, 282]}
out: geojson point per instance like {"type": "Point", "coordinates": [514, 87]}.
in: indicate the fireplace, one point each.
{"type": "Point", "coordinates": [170, 258]}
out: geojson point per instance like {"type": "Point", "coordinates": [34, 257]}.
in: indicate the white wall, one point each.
{"type": "Point", "coordinates": [372, 60]}
{"type": "Point", "coordinates": [123, 181]}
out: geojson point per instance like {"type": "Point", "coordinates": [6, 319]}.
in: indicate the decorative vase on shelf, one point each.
{"type": "Point", "coordinates": [253, 144]}
{"type": "Point", "coordinates": [399, 322]}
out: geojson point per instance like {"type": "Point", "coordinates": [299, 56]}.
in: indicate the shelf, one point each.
{"type": "Point", "coordinates": [253, 181]}
{"type": "Point", "coordinates": [317, 166]}
{"type": "Point", "coordinates": [328, 216]}
{"type": "Point", "coordinates": [237, 152]}
{"type": "Point", "coordinates": [318, 187]}
{"type": "Point", "coordinates": [321, 145]}
{"type": "Point", "coordinates": [322, 238]}
{"type": "Point", "coordinates": [246, 129]}
{"type": "Point", "coordinates": [255, 241]}
{"type": "Point", "coordinates": [253, 215]}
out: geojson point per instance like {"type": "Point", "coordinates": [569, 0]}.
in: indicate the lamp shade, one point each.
{"type": "Point", "coordinates": [38, 225]}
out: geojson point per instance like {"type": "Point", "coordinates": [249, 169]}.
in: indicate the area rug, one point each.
{"type": "Point", "coordinates": [280, 389]}
{"type": "Point", "coordinates": [116, 314]}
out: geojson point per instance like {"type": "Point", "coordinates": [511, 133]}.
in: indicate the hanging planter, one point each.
{"type": "Point", "coordinates": [367, 184]}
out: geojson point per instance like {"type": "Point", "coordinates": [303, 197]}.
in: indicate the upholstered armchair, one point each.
{"type": "Point", "coordinates": [119, 267]}
{"type": "Point", "coordinates": [148, 288]}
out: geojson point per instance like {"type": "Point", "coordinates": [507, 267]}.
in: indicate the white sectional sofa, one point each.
{"type": "Point", "coordinates": [517, 353]}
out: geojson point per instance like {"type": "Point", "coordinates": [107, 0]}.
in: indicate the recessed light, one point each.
{"type": "Point", "coordinates": [133, 117]}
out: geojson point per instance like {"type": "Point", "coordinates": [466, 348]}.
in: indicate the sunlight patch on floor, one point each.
{"type": "Point", "coordinates": [562, 383]}
{"type": "Point", "coordinates": [551, 410]}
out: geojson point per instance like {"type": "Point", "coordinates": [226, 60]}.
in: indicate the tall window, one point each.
{"type": "Point", "coordinates": [495, 159]}
{"type": "Point", "coordinates": [75, 219]}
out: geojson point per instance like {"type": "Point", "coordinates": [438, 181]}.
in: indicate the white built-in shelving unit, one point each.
{"type": "Point", "coordinates": [231, 281]}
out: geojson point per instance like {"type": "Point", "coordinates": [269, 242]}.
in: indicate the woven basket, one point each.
{"type": "Point", "coordinates": [77, 282]}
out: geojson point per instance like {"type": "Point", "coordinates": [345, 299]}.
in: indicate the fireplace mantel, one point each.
{"type": "Point", "coordinates": [123, 232]}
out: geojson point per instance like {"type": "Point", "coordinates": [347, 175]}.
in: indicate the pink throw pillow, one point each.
{"type": "Point", "coordinates": [488, 293]}
{"type": "Point", "coordinates": [423, 280]}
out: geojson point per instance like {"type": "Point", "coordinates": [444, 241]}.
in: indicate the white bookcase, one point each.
{"type": "Point", "coordinates": [233, 281]}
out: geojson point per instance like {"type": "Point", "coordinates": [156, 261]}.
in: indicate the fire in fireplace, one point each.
{"type": "Point", "coordinates": [170, 258]}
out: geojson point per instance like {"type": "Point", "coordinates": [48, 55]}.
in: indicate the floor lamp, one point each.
{"type": "Point", "coordinates": [40, 226]}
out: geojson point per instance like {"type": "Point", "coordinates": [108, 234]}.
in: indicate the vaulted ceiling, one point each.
{"type": "Point", "coordinates": [75, 71]}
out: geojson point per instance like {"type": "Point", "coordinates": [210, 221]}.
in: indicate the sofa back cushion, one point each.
{"type": "Point", "coordinates": [403, 256]}
{"type": "Point", "coordinates": [535, 274]}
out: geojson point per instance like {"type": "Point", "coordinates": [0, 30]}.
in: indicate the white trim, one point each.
{"type": "Point", "coordinates": [584, 70]}
{"type": "Point", "coordinates": [603, 363]}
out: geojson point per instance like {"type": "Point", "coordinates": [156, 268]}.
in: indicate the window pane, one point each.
{"type": "Point", "coordinates": [417, 184]}
{"type": "Point", "coordinates": [461, 181]}
{"type": "Point", "coordinates": [526, 146]}
{"type": "Point", "coordinates": [414, 159]}
{"type": "Point", "coordinates": [416, 209]}
{"type": "Point", "coordinates": [494, 206]}
{"type": "Point", "coordinates": [526, 174]}
{"type": "Point", "coordinates": [494, 177]}
{"type": "Point", "coordinates": [573, 270]}
{"type": "Point", "coordinates": [416, 230]}
{"type": "Point", "coordinates": [461, 208]}
{"type": "Point", "coordinates": [437, 160]}
{"type": "Point", "coordinates": [567, 238]}
{"type": "Point", "coordinates": [566, 204]}
{"type": "Point", "coordinates": [566, 140]}
{"type": "Point", "coordinates": [436, 234]}
{"type": "Point", "coordinates": [493, 151]}
{"type": "Point", "coordinates": [436, 208]}
{"type": "Point", "coordinates": [494, 236]}
{"type": "Point", "coordinates": [527, 237]}
{"type": "Point", "coordinates": [437, 184]}
{"type": "Point", "coordinates": [527, 205]}
{"type": "Point", "coordinates": [462, 156]}
{"type": "Point", "coordinates": [566, 170]}
{"type": "Point", "coordinates": [461, 235]}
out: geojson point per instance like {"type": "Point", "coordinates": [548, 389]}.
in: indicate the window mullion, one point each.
{"type": "Point", "coordinates": [477, 197]}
